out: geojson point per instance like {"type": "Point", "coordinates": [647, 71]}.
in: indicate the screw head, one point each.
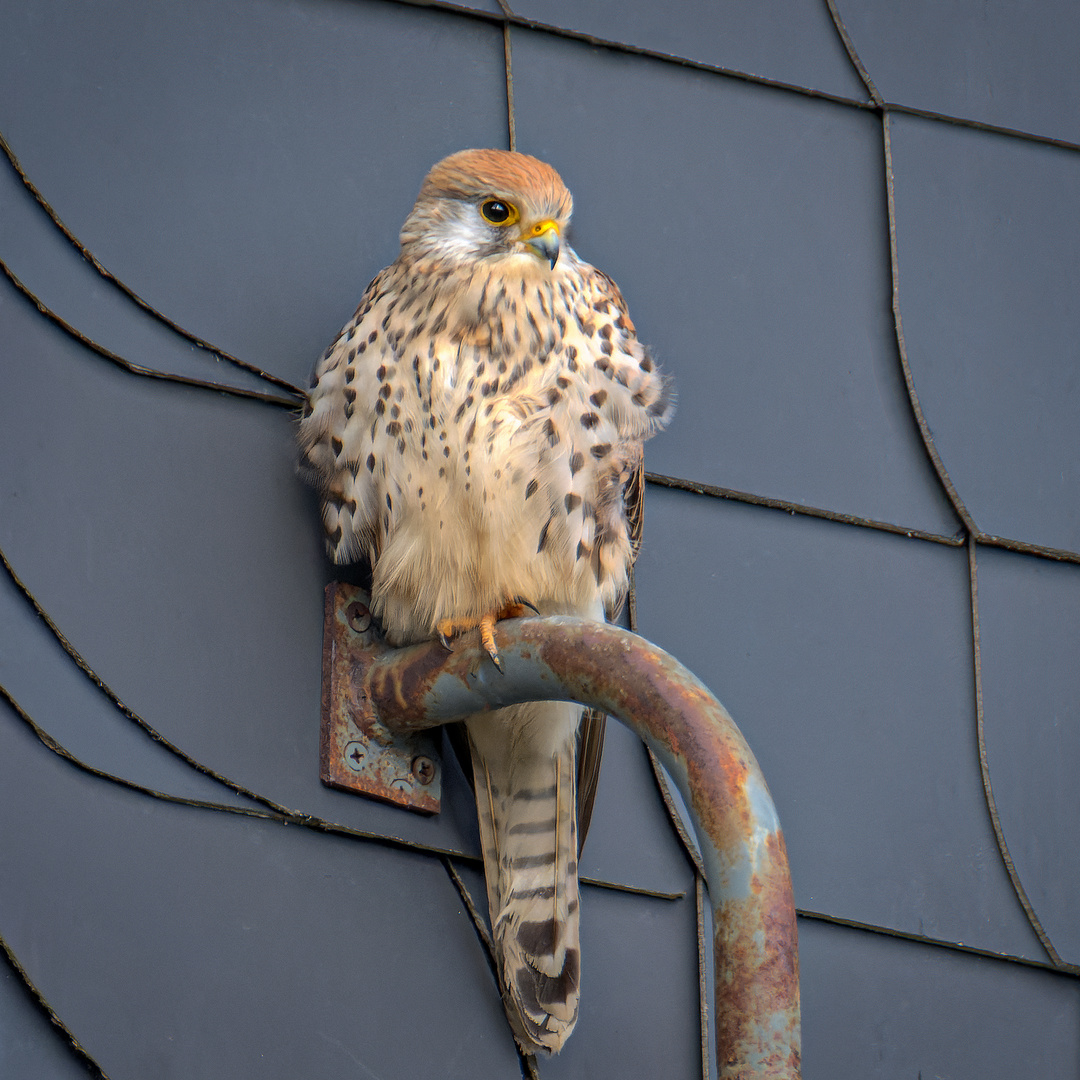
{"type": "Point", "coordinates": [354, 754]}
{"type": "Point", "coordinates": [358, 617]}
{"type": "Point", "coordinates": [423, 768]}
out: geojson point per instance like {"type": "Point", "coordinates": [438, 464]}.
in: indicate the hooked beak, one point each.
{"type": "Point", "coordinates": [543, 240]}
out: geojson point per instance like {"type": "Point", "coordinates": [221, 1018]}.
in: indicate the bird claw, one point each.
{"type": "Point", "coordinates": [448, 628]}
{"type": "Point", "coordinates": [487, 637]}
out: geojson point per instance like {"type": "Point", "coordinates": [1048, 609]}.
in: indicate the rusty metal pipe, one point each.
{"type": "Point", "coordinates": [756, 998]}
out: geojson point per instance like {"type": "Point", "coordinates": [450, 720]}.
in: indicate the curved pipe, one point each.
{"type": "Point", "coordinates": [756, 996]}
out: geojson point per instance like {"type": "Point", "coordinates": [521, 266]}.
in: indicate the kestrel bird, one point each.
{"type": "Point", "coordinates": [475, 432]}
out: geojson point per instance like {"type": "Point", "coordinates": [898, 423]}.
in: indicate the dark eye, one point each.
{"type": "Point", "coordinates": [497, 212]}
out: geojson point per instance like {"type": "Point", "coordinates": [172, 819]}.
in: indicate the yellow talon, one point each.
{"type": "Point", "coordinates": [449, 628]}
{"type": "Point", "coordinates": [487, 638]}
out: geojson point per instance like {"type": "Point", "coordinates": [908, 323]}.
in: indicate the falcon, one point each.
{"type": "Point", "coordinates": [475, 435]}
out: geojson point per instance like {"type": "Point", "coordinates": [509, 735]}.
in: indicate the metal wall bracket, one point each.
{"type": "Point", "coordinates": [559, 658]}
{"type": "Point", "coordinates": [377, 701]}
{"type": "Point", "coordinates": [357, 752]}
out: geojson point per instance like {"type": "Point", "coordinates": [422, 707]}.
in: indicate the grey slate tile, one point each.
{"type": "Point", "coordinates": [793, 43]}
{"type": "Point", "coordinates": [845, 657]}
{"type": "Point", "coordinates": [989, 257]}
{"type": "Point", "coordinates": [1029, 618]}
{"type": "Point", "coordinates": [177, 942]}
{"type": "Point", "coordinates": [46, 683]}
{"type": "Point", "coordinates": [50, 267]}
{"type": "Point", "coordinates": [1012, 65]}
{"type": "Point", "coordinates": [245, 166]}
{"type": "Point", "coordinates": [875, 1006]}
{"type": "Point", "coordinates": [748, 232]}
{"type": "Point", "coordinates": [29, 1045]}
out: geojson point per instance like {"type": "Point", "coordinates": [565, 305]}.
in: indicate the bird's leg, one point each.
{"type": "Point", "coordinates": [514, 609]}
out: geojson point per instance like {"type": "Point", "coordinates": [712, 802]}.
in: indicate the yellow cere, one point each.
{"type": "Point", "coordinates": [542, 227]}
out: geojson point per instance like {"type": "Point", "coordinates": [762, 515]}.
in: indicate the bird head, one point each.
{"type": "Point", "coordinates": [490, 204]}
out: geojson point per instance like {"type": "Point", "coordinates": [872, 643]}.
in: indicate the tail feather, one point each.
{"type": "Point", "coordinates": [523, 764]}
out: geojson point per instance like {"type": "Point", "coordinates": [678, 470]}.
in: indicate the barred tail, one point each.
{"type": "Point", "coordinates": [524, 770]}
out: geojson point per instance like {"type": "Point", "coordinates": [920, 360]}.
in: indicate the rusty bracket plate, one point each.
{"type": "Point", "coordinates": [357, 753]}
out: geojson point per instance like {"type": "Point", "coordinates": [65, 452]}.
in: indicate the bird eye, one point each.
{"type": "Point", "coordinates": [497, 212]}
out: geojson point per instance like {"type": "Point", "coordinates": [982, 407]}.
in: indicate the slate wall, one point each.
{"type": "Point", "coordinates": [860, 259]}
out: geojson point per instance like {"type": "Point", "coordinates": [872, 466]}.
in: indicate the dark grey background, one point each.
{"type": "Point", "coordinates": [245, 167]}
